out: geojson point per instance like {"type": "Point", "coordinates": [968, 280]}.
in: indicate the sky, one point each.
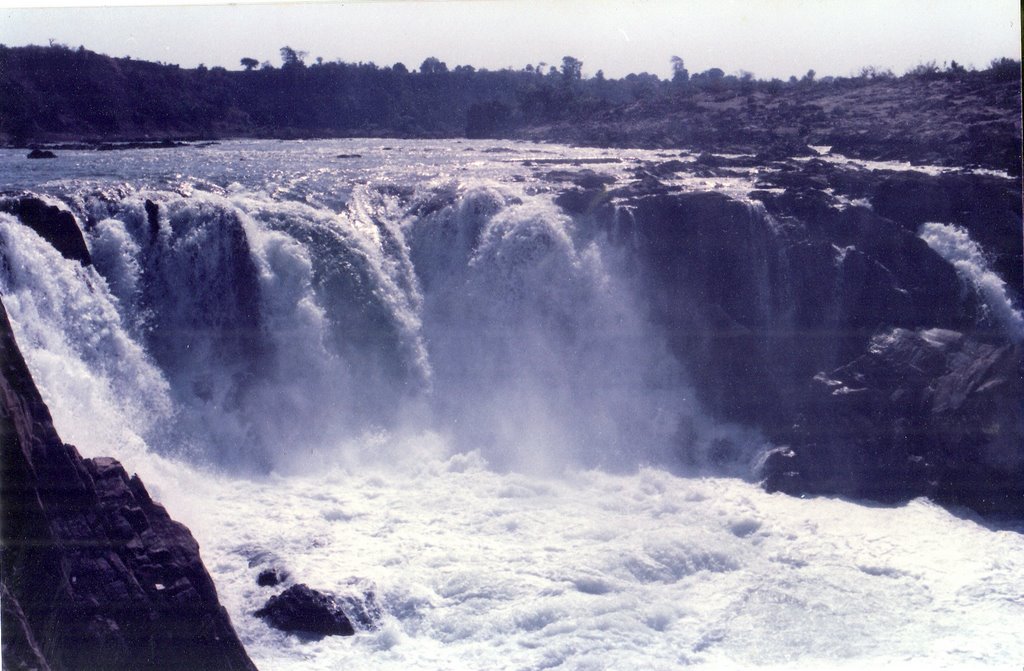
{"type": "Point", "coordinates": [771, 38]}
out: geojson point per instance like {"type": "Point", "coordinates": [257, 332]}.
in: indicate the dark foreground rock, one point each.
{"type": "Point", "coordinates": [922, 413]}
{"type": "Point", "coordinates": [302, 610]}
{"type": "Point", "coordinates": [95, 574]}
{"type": "Point", "coordinates": [55, 225]}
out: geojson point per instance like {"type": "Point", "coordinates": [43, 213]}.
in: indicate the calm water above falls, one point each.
{"type": "Point", "coordinates": [401, 362]}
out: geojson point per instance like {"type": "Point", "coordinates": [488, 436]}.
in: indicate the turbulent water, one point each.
{"type": "Point", "coordinates": [400, 367]}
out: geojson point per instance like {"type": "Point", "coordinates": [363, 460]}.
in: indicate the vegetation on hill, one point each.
{"type": "Point", "coordinates": [944, 114]}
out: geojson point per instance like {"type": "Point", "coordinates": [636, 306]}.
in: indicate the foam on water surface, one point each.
{"type": "Point", "coordinates": [481, 570]}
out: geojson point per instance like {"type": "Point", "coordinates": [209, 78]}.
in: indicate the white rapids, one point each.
{"type": "Point", "coordinates": [457, 405]}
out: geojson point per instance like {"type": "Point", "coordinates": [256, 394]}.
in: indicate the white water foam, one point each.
{"type": "Point", "coordinates": [954, 244]}
{"type": "Point", "coordinates": [104, 393]}
{"type": "Point", "coordinates": [480, 570]}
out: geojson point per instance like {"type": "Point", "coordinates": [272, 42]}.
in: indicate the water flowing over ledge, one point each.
{"type": "Point", "coordinates": [522, 349]}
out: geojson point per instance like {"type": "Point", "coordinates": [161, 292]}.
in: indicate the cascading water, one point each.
{"type": "Point", "coordinates": [284, 329]}
{"type": "Point", "coordinates": [954, 244]}
{"type": "Point", "coordinates": [418, 370]}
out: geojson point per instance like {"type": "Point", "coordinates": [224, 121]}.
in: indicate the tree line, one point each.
{"type": "Point", "coordinates": [57, 92]}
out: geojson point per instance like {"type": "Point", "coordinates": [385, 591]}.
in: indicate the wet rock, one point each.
{"type": "Point", "coordinates": [929, 412]}
{"type": "Point", "coordinates": [86, 547]}
{"type": "Point", "coordinates": [667, 168]}
{"type": "Point", "coordinates": [581, 201]}
{"type": "Point", "coordinates": [988, 207]}
{"type": "Point", "coordinates": [306, 611]}
{"type": "Point", "coordinates": [585, 179]}
{"type": "Point", "coordinates": [153, 219]}
{"type": "Point", "coordinates": [764, 298]}
{"type": "Point", "coordinates": [55, 225]}
{"type": "Point", "coordinates": [271, 577]}
{"type": "Point", "coordinates": [41, 153]}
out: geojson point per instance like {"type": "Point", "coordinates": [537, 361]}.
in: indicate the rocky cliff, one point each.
{"type": "Point", "coordinates": [95, 574]}
{"type": "Point", "coordinates": [818, 311]}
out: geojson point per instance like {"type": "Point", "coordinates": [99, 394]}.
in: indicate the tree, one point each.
{"type": "Point", "coordinates": [680, 75]}
{"type": "Point", "coordinates": [249, 64]}
{"type": "Point", "coordinates": [433, 66]}
{"type": "Point", "coordinates": [572, 69]}
{"type": "Point", "coordinates": [487, 119]}
{"type": "Point", "coordinates": [292, 58]}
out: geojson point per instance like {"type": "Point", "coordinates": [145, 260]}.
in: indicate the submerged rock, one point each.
{"type": "Point", "coordinates": [302, 610]}
{"type": "Point", "coordinates": [95, 574]}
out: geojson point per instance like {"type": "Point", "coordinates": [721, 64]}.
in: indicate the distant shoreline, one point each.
{"type": "Point", "coordinates": [60, 98]}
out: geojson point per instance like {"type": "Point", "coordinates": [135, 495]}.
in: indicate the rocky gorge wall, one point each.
{"type": "Point", "coordinates": [95, 574]}
{"type": "Point", "coordinates": [864, 320]}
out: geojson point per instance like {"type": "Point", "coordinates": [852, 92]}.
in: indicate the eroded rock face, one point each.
{"type": "Point", "coordinates": [826, 271]}
{"type": "Point", "coordinates": [930, 412]}
{"type": "Point", "coordinates": [96, 575]}
{"type": "Point", "coordinates": [757, 300]}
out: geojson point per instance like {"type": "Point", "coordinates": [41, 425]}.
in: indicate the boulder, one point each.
{"type": "Point", "coordinates": [585, 179]}
{"type": "Point", "coordinates": [41, 153]}
{"type": "Point", "coordinates": [302, 610]}
{"type": "Point", "coordinates": [85, 546]}
{"type": "Point", "coordinates": [271, 577]}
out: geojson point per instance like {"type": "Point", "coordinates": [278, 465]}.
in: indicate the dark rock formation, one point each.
{"type": "Point", "coordinates": [271, 577]}
{"type": "Point", "coordinates": [153, 219]}
{"type": "Point", "coordinates": [988, 207]}
{"type": "Point", "coordinates": [586, 178]}
{"type": "Point", "coordinates": [758, 300]}
{"type": "Point", "coordinates": [305, 611]}
{"type": "Point", "coordinates": [95, 574]}
{"type": "Point", "coordinates": [55, 225]}
{"type": "Point", "coordinates": [922, 413]}
{"type": "Point", "coordinates": [753, 300]}
{"type": "Point", "coordinates": [41, 153]}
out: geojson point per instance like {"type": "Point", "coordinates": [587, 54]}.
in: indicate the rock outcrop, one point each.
{"type": "Point", "coordinates": [819, 315]}
{"type": "Point", "coordinates": [54, 224]}
{"type": "Point", "coordinates": [95, 574]}
{"type": "Point", "coordinates": [922, 413]}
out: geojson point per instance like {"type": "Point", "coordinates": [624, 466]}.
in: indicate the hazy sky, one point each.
{"type": "Point", "coordinates": [771, 38]}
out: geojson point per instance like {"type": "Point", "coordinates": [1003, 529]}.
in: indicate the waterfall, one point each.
{"type": "Point", "coordinates": [274, 335]}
